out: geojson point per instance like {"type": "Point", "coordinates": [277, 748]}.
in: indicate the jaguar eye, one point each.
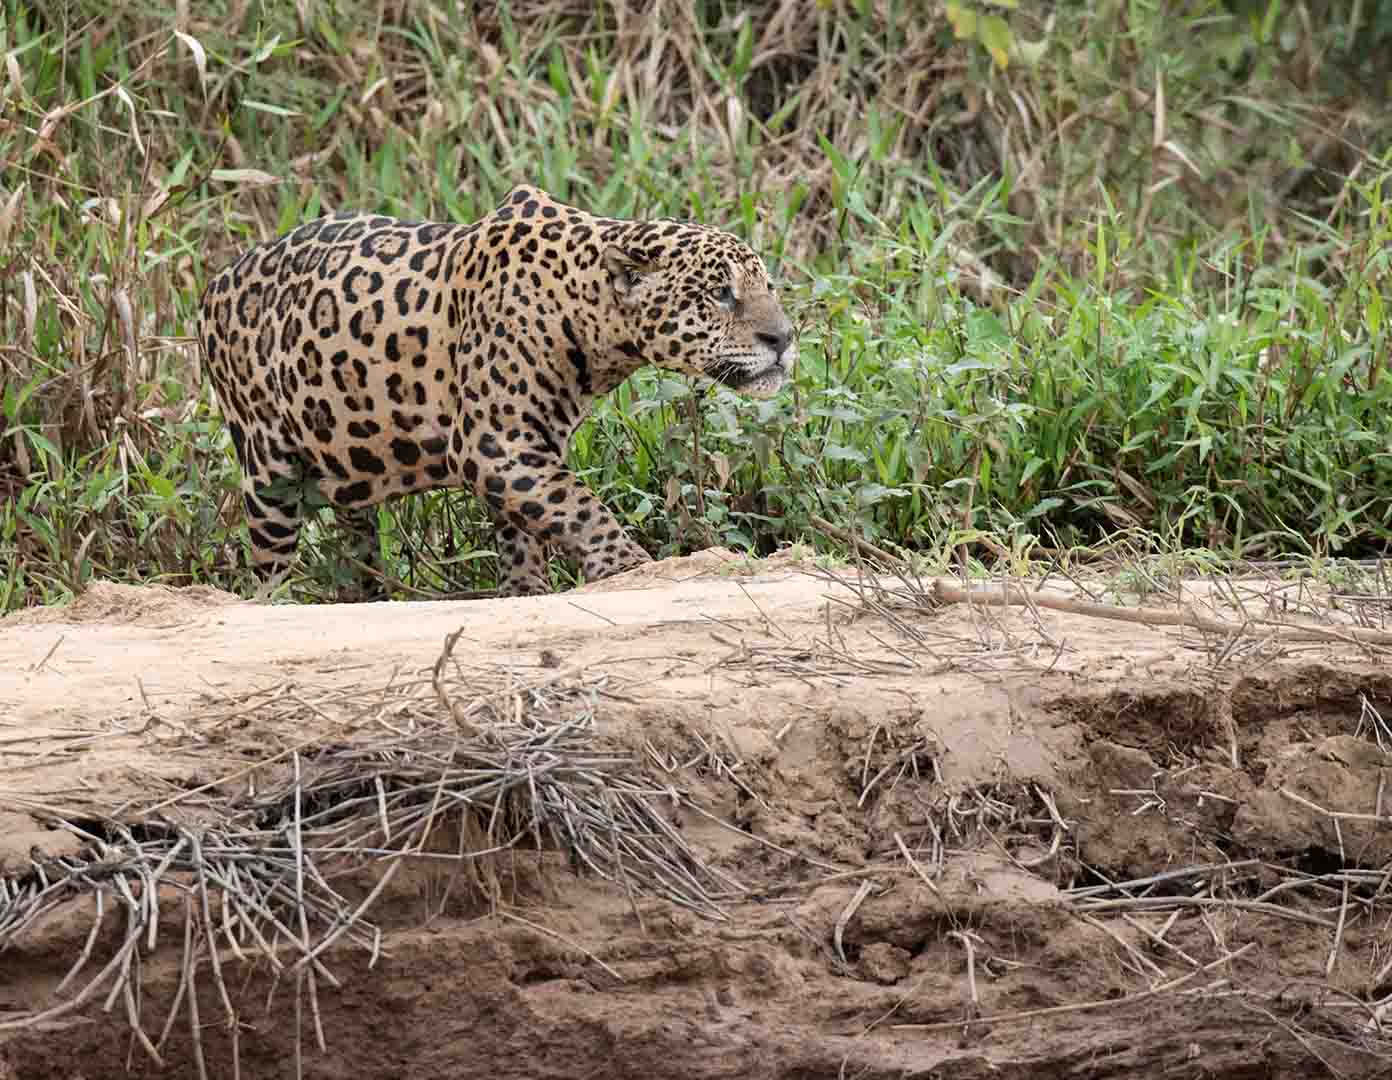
{"type": "Point", "coordinates": [725, 296]}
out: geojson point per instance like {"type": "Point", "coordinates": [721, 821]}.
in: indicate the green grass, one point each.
{"type": "Point", "coordinates": [1133, 281]}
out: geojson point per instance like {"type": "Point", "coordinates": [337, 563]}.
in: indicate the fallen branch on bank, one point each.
{"type": "Point", "coordinates": [944, 592]}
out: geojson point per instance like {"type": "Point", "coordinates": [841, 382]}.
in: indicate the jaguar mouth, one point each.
{"type": "Point", "coordinates": [760, 382]}
{"type": "Point", "coordinates": [766, 382]}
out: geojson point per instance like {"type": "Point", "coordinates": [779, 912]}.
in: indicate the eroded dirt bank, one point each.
{"type": "Point", "coordinates": [1120, 850]}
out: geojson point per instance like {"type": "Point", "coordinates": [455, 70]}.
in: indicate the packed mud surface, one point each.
{"type": "Point", "coordinates": [843, 832]}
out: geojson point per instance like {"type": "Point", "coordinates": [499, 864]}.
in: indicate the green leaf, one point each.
{"type": "Point", "coordinates": [273, 110]}
{"type": "Point", "coordinates": [963, 20]}
{"type": "Point", "coordinates": [1313, 481]}
{"type": "Point", "coordinates": [1031, 52]}
{"type": "Point", "coordinates": [994, 33]}
{"type": "Point", "coordinates": [870, 494]}
{"type": "Point", "coordinates": [266, 51]}
{"type": "Point", "coordinates": [244, 176]}
{"type": "Point", "coordinates": [1043, 506]}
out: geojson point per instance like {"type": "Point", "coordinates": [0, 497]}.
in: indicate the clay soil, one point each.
{"type": "Point", "coordinates": [970, 843]}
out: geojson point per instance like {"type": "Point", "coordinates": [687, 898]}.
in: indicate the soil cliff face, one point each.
{"type": "Point", "coordinates": [930, 843]}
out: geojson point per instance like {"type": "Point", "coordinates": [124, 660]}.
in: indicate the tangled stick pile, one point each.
{"type": "Point", "coordinates": [259, 872]}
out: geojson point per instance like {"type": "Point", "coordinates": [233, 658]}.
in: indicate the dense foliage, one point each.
{"type": "Point", "coordinates": [1099, 265]}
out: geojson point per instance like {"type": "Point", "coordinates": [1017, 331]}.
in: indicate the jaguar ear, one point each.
{"type": "Point", "coordinates": [624, 271]}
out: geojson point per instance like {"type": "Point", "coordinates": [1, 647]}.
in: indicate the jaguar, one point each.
{"type": "Point", "coordinates": [371, 357]}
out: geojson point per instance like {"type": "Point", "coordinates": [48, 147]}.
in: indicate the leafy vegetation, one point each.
{"type": "Point", "coordinates": [1120, 266]}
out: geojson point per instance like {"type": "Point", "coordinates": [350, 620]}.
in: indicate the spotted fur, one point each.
{"type": "Point", "coordinates": [376, 357]}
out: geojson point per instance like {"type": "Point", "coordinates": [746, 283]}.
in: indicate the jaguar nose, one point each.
{"type": "Point", "coordinates": [777, 341]}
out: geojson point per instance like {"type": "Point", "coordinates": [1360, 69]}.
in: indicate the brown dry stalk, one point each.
{"type": "Point", "coordinates": [858, 542]}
